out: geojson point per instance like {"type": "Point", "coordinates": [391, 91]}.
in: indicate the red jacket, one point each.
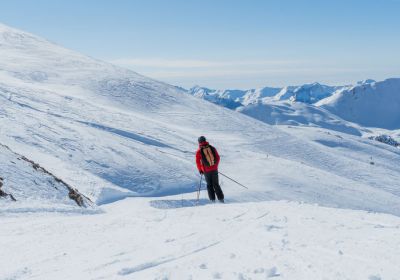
{"type": "Point", "coordinates": [200, 158]}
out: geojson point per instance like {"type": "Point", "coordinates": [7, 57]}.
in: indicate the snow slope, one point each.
{"type": "Point", "coordinates": [112, 133]}
{"type": "Point", "coordinates": [33, 187]}
{"type": "Point", "coordinates": [143, 238]}
{"type": "Point", "coordinates": [373, 104]}
{"type": "Point", "coordinates": [298, 113]}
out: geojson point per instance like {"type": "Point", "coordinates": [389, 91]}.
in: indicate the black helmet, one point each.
{"type": "Point", "coordinates": [202, 139]}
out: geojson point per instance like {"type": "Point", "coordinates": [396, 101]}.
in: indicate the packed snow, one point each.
{"type": "Point", "coordinates": [322, 202]}
{"type": "Point", "coordinates": [145, 238]}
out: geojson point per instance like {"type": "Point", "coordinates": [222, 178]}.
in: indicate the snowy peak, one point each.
{"type": "Point", "coordinates": [255, 95]}
{"type": "Point", "coordinates": [367, 81]}
{"type": "Point", "coordinates": [343, 108]}
{"type": "Point", "coordinates": [199, 91]}
{"type": "Point", "coordinates": [226, 98]}
{"type": "Point", "coordinates": [375, 104]}
{"type": "Point", "coordinates": [33, 59]}
{"type": "Point", "coordinates": [308, 93]}
{"type": "Point", "coordinates": [312, 93]}
{"type": "Point", "coordinates": [285, 93]}
{"type": "Point", "coordinates": [16, 38]}
{"type": "Point", "coordinates": [233, 96]}
{"type": "Point", "coordinates": [37, 62]}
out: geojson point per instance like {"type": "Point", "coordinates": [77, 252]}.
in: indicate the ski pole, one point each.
{"type": "Point", "coordinates": [233, 180]}
{"type": "Point", "coordinates": [198, 191]}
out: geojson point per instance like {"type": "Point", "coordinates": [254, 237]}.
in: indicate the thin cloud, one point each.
{"type": "Point", "coordinates": [213, 73]}
{"type": "Point", "coordinates": [251, 73]}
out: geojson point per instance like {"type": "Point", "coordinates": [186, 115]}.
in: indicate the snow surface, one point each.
{"type": "Point", "coordinates": [307, 93]}
{"type": "Point", "coordinates": [112, 133]}
{"type": "Point", "coordinates": [299, 114]}
{"type": "Point", "coordinates": [373, 104]}
{"type": "Point", "coordinates": [128, 142]}
{"type": "Point", "coordinates": [33, 187]}
{"type": "Point", "coordinates": [233, 98]}
{"type": "Point", "coordinates": [145, 238]}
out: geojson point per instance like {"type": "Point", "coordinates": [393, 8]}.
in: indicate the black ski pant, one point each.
{"type": "Point", "coordinates": [213, 186]}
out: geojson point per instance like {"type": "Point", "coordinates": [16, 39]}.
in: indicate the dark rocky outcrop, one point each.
{"type": "Point", "coordinates": [3, 193]}
{"type": "Point", "coordinates": [80, 199]}
{"type": "Point", "coordinates": [73, 194]}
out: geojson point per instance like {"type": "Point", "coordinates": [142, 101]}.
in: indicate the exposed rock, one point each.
{"type": "Point", "coordinates": [73, 194]}
{"type": "Point", "coordinates": [80, 199]}
{"type": "Point", "coordinates": [3, 193]}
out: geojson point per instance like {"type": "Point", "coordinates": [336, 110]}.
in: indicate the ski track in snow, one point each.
{"type": "Point", "coordinates": [144, 266]}
{"type": "Point", "coordinates": [131, 239]}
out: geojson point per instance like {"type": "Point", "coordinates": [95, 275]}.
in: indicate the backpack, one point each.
{"type": "Point", "coordinates": [208, 157]}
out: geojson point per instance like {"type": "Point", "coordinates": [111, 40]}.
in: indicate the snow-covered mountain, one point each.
{"type": "Point", "coordinates": [72, 122]}
{"type": "Point", "coordinates": [368, 104]}
{"type": "Point", "coordinates": [373, 104]}
{"type": "Point", "coordinates": [112, 133]}
{"type": "Point", "coordinates": [228, 99]}
{"type": "Point", "coordinates": [299, 114]}
{"type": "Point", "coordinates": [307, 93]}
{"type": "Point", "coordinates": [312, 93]}
{"type": "Point", "coordinates": [233, 98]}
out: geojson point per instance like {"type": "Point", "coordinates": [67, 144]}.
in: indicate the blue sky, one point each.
{"type": "Point", "coordinates": [225, 44]}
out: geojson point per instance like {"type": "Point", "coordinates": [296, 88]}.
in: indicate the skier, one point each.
{"type": "Point", "coordinates": [207, 160]}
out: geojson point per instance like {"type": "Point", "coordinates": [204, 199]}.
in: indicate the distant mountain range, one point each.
{"type": "Point", "coordinates": [307, 93]}
{"type": "Point", "coordinates": [368, 103]}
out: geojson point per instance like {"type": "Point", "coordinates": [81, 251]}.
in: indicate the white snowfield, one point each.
{"type": "Point", "coordinates": [374, 104]}
{"type": "Point", "coordinates": [113, 134]}
{"type": "Point", "coordinates": [267, 240]}
{"type": "Point", "coordinates": [301, 114]}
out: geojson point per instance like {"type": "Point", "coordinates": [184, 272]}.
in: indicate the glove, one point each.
{"type": "Point", "coordinates": [201, 172]}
